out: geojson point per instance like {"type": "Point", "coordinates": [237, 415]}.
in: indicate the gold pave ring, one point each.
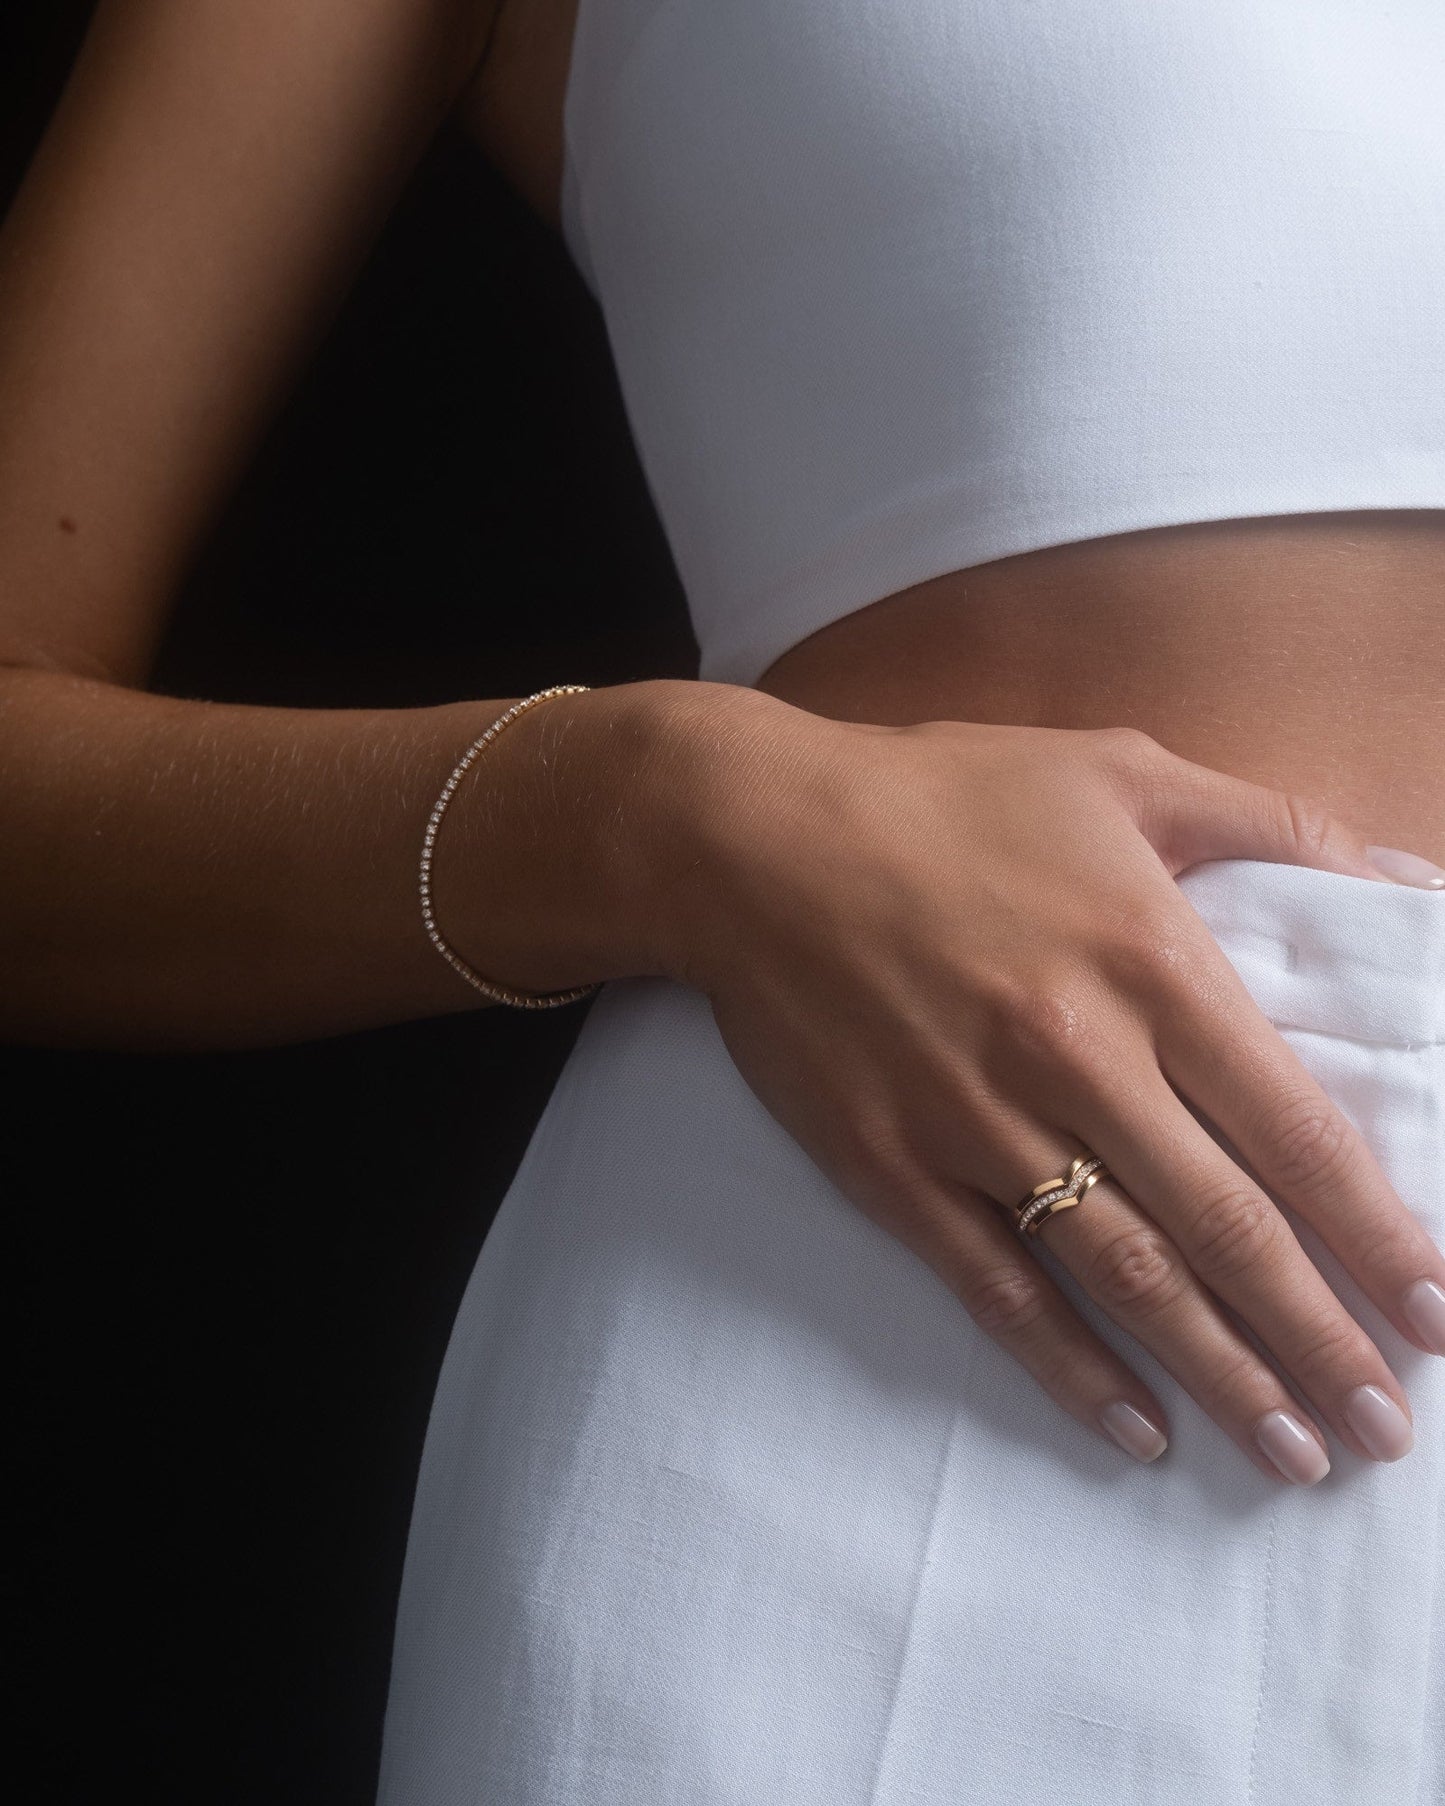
{"type": "Point", "coordinates": [1058, 1194]}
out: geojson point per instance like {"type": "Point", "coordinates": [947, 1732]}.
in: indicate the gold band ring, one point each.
{"type": "Point", "coordinates": [1058, 1194]}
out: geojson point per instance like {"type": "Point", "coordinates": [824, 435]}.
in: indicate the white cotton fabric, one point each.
{"type": "Point", "coordinates": [895, 289]}
{"type": "Point", "coordinates": [726, 1500]}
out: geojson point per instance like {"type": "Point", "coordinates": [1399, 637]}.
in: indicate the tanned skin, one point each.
{"type": "Point", "coordinates": [857, 861]}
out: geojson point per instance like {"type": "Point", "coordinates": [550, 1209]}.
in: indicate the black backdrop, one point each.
{"type": "Point", "coordinates": [235, 1273]}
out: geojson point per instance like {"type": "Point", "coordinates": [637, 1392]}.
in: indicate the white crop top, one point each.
{"type": "Point", "coordinates": [895, 287]}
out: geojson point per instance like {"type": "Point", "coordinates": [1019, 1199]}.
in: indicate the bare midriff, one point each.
{"type": "Point", "coordinates": [1305, 652]}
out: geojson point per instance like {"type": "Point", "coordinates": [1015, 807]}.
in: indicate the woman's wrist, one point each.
{"type": "Point", "coordinates": [572, 849]}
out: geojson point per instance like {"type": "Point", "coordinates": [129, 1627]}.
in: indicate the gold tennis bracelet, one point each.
{"type": "Point", "coordinates": [521, 1000]}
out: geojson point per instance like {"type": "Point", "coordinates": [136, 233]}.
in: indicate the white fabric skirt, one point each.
{"type": "Point", "coordinates": [725, 1500]}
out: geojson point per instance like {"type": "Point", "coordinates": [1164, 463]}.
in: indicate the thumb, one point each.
{"type": "Point", "coordinates": [1206, 814]}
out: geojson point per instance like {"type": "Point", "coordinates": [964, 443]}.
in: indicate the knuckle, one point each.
{"type": "Point", "coordinates": [1310, 824]}
{"type": "Point", "coordinates": [1232, 1230]}
{"type": "Point", "coordinates": [1135, 1274]}
{"type": "Point", "coordinates": [1052, 1024]}
{"type": "Point", "coordinates": [871, 1136]}
{"type": "Point", "coordinates": [1059, 1371]}
{"type": "Point", "coordinates": [1005, 1302]}
{"type": "Point", "coordinates": [1312, 1144]}
{"type": "Point", "coordinates": [870, 1146]}
{"type": "Point", "coordinates": [1233, 1385]}
{"type": "Point", "coordinates": [1132, 763]}
{"type": "Point", "coordinates": [1126, 744]}
{"type": "Point", "coordinates": [1399, 1248]}
{"type": "Point", "coordinates": [1332, 1347]}
{"type": "Point", "coordinates": [1151, 949]}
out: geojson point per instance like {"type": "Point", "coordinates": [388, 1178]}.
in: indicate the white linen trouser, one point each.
{"type": "Point", "coordinates": [726, 1500]}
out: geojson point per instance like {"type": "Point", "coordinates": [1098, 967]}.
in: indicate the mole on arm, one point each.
{"type": "Point", "coordinates": [67, 525]}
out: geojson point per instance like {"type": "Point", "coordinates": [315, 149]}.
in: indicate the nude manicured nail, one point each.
{"type": "Point", "coordinates": [1406, 868]}
{"type": "Point", "coordinates": [1291, 1448]}
{"type": "Point", "coordinates": [1136, 1434]}
{"type": "Point", "coordinates": [1425, 1307]}
{"type": "Point", "coordinates": [1379, 1423]}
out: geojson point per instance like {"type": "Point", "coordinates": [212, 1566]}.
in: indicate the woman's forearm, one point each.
{"type": "Point", "coordinates": [182, 874]}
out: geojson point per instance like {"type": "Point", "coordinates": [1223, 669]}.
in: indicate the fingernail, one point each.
{"type": "Point", "coordinates": [1425, 1307]}
{"type": "Point", "coordinates": [1291, 1448]}
{"type": "Point", "coordinates": [1379, 1423]}
{"type": "Point", "coordinates": [1136, 1434]}
{"type": "Point", "coordinates": [1406, 868]}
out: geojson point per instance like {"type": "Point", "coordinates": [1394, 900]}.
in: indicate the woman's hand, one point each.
{"type": "Point", "coordinates": [950, 957]}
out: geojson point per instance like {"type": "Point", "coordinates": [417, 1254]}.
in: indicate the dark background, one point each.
{"type": "Point", "coordinates": [235, 1273]}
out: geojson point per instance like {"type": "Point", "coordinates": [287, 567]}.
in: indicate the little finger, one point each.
{"type": "Point", "coordinates": [969, 1243]}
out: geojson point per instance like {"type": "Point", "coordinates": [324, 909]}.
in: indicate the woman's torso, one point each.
{"type": "Point", "coordinates": [1303, 651]}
